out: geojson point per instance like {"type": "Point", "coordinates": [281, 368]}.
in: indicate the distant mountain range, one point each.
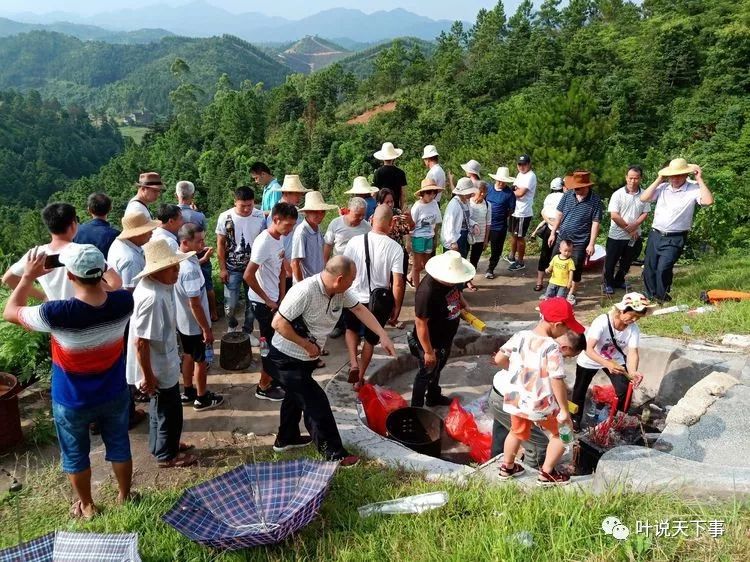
{"type": "Point", "coordinates": [201, 19]}
{"type": "Point", "coordinates": [84, 32]}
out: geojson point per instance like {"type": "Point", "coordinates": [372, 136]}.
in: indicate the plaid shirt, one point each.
{"type": "Point", "coordinates": [309, 299]}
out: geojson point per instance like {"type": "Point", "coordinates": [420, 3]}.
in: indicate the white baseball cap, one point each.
{"type": "Point", "coordinates": [83, 260]}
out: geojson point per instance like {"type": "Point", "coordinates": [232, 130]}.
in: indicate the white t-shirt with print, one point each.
{"type": "Point", "coordinates": [386, 257]}
{"type": "Point", "coordinates": [524, 203]}
{"type": "Point", "coordinates": [154, 319]}
{"type": "Point", "coordinates": [628, 338]}
{"type": "Point", "coordinates": [630, 207]}
{"type": "Point", "coordinates": [268, 254]}
{"type": "Point", "coordinates": [339, 233]}
{"type": "Point", "coordinates": [246, 230]}
{"type": "Point", "coordinates": [55, 284]}
{"type": "Point", "coordinates": [190, 283]}
{"type": "Point", "coordinates": [127, 260]}
{"type": "Point", "coordinates": [425, 217]}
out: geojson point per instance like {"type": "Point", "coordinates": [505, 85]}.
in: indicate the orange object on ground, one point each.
{"type": "Point", "coordinates": [719, 295]}
{"type": "Point", "coordinates": [521, 427]}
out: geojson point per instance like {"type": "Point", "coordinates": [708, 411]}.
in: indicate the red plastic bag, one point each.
{"type": "Point", "coordinates": [459, 423]}
{"type": "Point", "coordinates": [480, 447]}
{"type": "Point", "coordinates": [378, 402]}
{"type": "Point", "coordinates": [604, 394]}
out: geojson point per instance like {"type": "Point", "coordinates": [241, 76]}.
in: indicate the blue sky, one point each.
{"type": "Point", "coordinates": [292, 9]}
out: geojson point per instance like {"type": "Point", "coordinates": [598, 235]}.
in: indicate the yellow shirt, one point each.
{"type": "Point", "coordinates": [561, 269]}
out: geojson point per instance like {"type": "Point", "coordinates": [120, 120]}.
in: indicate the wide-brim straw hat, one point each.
{"type": "Point", "coordinates": [429, 151]}
{"type": "Point", "coordinates": [465, 186]}
{"type": "Point", "coordinates": [503, 175]}
{"type": "Point", "coordinates": [159, 255]}
{"type": "Point", "coordinates": [135, 224]}
{"type": "Point", "coordinates": [388, 152]}
{"type": "Point", "coordinates": [360, 186]}
{"type": "Point", "coordinates": [428, 184]}
{"type": "Point", "coordinates": [151, 179]}
{"type": "Point", "coordinates": [292, 184]}
{"type": "Point", "coordinates": [677, 167]}
{"type": "Point", "coordinates": [314, 202]}
{"type": "Point", "coordinates": [578, 180]}
{"type": "Point", "coordinates": [450, 267]}
{"type": "Point", "coordinates": [472, 167]}
{"type": "Point", "coordinates": [636, 301]}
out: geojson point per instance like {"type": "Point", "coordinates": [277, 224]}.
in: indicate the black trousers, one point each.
{"type": "Point", "coordinates": [476, 253]}
{"type": "Point", "coordinates": [584, 377]}
{"type": "Point", "coordinates": [662, 252]}
{"type": "Point", "coordinates": [165, 428]}
{"type": "Point", "coordinates": [304, 397]}
{"type": "Point", "coordinates": [427, 379]}
{"type": "Point", "coordinates": [545, 252]}
{"type": "Point", "coordinates": [620, 254]}
{"type": "Point", "coordinates": [497, 241]}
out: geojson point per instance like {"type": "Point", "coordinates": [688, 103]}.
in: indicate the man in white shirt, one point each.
{"type": "Point", "coordinates": [194, 322]}
{"type": "Point", "coordinates": [435, 172]}
{"type": "Point", "coordinates": [236, 230]}
{"type": "Point", "coordinates": [344, 228]}
{"type": "Point", "coordinates": [676, 199]}
{"type": "Point", "coordinates": [171, 222]}
{"type": "Point", "coordinates": [307, 244]}
{"type": "Point", "coordinates": [150, 188]}
{"type": "Point", "coordinates": [292, 191]}
{"type": "Point", "coordinates": [62, 224]}
{"type": "Point", "coordinates": [382, 280]}
{"type": "Point", "coordinates": [524, 189]}
{"type": "Point", "coordinates": [627, 213]}
{"type": "Point", "coordinates": [266, 277]}
{"type": "Point", "coordinates": [126, 252]}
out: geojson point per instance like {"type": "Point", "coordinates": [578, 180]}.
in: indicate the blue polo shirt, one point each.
{"type": "Point", "coordinates": [271, 195]}
{"type": "Point", "coordinates": [502, 203]}
{"type": "Point", "coordinates": [578, 216]}
{"type": "Point", "coordinates": [97, 232]}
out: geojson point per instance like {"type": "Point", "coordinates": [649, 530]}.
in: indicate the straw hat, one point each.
{"type": "Point", "coordinates": [465, 186]}
{"type": "Point", "coordinates": [292, 184]}
{"type": "Point", "coordinates": [314, 202]}
{"type": "Point", "coordinates": [636, 301]}
{"type": "Point", "coordinates": [428, 184]}
{"type": "Point", "coordinates": [472, 167]}
{"type": "Point", "coordinates": [151, 179]}
{"type": "Point", "coordinates": [135, 224]}
{"type": "Point", "coordinates": [159, 256]}
{"type": "Point", "coordinates": [429, 151]}
{"type": "Point", "coordinates": [503, 175]}
{"type": "Point", "coordinates": [579, 179]}
{"type": "Point", "coordinates": [360, 186]}
{"type": "Point", "coordinates": [677, 167]}
{"type": "Point", "coordinates": [450, 267]}
{"type": "Point", "coordinates": [388, 152]}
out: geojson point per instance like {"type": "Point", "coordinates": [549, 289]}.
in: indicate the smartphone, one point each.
{"type": "Point", "coordinates": [52, 261]}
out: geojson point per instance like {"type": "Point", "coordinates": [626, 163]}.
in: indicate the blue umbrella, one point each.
{"type": "Point", "coordinates": [75, 547]}
{"type": "Point", "coordinates": [254, 504]}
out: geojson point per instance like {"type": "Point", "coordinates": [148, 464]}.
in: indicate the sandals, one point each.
{"type": "Point", "coordinates": [471, 288]}
{"type": "Point", "coordinates": [353, 375]}
{"type": "Point", "coordinates": [538, 287]}
{"type": "Point", "coordinates": [553, 478]}
{"type": "Point", "coordinates": [508, 472]}
{"type": "Point", "coordinates": [76, 511]}
{"type": "Point", "coordinates": [182, 460]}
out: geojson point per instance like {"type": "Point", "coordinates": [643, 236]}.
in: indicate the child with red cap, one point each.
{"type": "Point", "coordinates": [533, 387]}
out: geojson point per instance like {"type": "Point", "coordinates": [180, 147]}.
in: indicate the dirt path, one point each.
{"type": "Point", "coordinates": [370, 113]}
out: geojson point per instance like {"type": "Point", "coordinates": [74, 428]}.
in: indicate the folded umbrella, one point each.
{"type": "Point", "coordinates": [254, 504]}
{"type": "Point", "coordinates": [62, 546]}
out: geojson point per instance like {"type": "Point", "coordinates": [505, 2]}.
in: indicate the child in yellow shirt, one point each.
{"type": "Point", "coordinates": [561, 267]}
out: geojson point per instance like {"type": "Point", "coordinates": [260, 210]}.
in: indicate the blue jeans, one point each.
{"type": "Point", "coordinates": [72, 425]}
{"type": "Point", "coordinates": [232, 290]}
{"type": "Point", "coordinates": [555, 291]}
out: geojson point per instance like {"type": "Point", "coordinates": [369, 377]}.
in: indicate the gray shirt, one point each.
{"type": "Point", "coordinates": [339, 233]}
{"type": "Point", "coordinates": [307, 246]}
{"type": "Point", "coordinates": [190, 283]}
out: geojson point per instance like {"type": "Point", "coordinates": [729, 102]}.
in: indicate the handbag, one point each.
{"type": "Point", "coordinates": [614, 342]}
{"type": "Point", "coordinates": [380, 299]}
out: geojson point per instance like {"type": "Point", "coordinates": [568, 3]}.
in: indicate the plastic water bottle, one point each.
{"type": "Point", "coordinates": [566, 434]}
{"type": "Point", "coordinates": [209, 354]}
{"type": "Point", "coordinates": [264, 349]}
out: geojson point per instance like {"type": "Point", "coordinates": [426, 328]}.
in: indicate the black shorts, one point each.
{"type": "Point", "coordinates": [193, 346]}
{"type": "Point", "coordinates": [264, 316]}
{"type": "Point", "coordinates": [381, 313]}
{"type": "Point", "coordinates": [519, 226]}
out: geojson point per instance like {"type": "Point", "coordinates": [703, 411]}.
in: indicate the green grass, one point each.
{"type": "Point", "coordinates": [135, 133]}
{"type": "Point", "coordinates": [478, 523]}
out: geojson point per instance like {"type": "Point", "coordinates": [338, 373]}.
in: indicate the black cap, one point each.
{"type": "Point", "coordinates": [524, 159]}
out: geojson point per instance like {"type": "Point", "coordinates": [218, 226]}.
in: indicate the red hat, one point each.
{"type": "Point", "coordinates": [558, 309]}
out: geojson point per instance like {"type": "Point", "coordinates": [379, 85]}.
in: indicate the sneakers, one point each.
{"type": "Point", "coordinates": [571, 298]}
{"type": "Point", "coordinates": [272, 393]}
{"type": "Point", "coordinates": [510, 259]}
{"type": "Point", "coordinates": [489, 275]}
{"type": "Point", "coordinates": [301, 441]}
{"type": "Point", "coordinates": [517, 266]}
{"type": "Point", "coordinates": [553, 478]}
{"type": "Point", "coordinates": [189, 395]}
{"type": "Point", "coordinates": [344, 459]}
{"type": "Point", "coordinates": [208, 402]}
{"type": "Point", "coordinates": [608, 290]}
{"type": "Point", "coordinates": [508, 472]}
{"type": "Point", "coordinates": [440, 400]}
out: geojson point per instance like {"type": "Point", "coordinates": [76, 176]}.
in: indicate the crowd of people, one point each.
{"type": "Point", "coordinates": [130, 312]}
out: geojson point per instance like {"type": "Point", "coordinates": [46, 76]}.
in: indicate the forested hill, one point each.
{"type": "Point", "coordinates": [124, 78]}
{"type": "Point", "coordinates": [84, 32]}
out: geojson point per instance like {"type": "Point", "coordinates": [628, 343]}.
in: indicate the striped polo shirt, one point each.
{"type": "Point", "coordinates": [88, 363]}
{"type": "Point", "coordinates": [578, 216]}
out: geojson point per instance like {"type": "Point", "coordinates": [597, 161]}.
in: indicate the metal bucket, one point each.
{"type": "Point", "coordinates": [419, 429]}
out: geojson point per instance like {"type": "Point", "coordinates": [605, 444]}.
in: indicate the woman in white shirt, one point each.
{"type": "Point", "coordinates": [611, 345]}
{"type": "Point", "coordinates": [479, 213]}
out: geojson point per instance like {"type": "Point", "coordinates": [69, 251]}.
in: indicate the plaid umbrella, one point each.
{"type": "Point", "coordinates": [254, 504]}
{"type": "Point", "coordinates": [75, 547]}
